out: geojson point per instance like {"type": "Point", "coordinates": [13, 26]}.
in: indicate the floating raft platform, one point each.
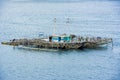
{"type": "Point", "coordinates": [77, 43]}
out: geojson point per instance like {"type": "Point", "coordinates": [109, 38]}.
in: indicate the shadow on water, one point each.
{"type": "Point", "coordinates": [59, 51]}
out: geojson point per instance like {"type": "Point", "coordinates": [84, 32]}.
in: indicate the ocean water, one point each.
{"type": "Point", "coordinates": [87, 18]}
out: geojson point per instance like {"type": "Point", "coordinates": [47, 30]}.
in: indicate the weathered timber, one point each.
{"type": "Point", "coordinates": [41, 43]}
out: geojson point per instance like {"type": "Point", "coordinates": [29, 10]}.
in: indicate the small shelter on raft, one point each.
{"type": "Point", "coordinates": [61, 38]}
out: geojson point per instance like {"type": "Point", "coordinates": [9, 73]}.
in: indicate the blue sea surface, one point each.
{"type": "Point", "coordinates": [87, 18]}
